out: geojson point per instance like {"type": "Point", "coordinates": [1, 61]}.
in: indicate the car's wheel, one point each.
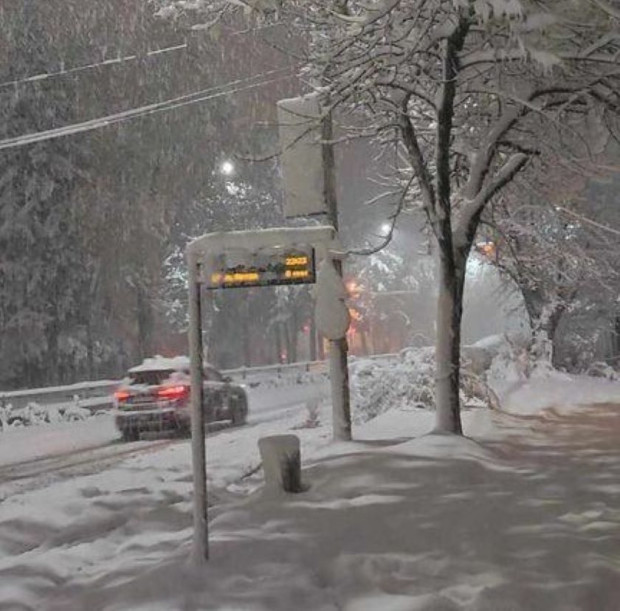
{"type": "Point", "coordinates": [239, 410]}
{"type": "Point", "coordinates": [185, 429]}
{"type": "Point", "coordinates": [130, 434]}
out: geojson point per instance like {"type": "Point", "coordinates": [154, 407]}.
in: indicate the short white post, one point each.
{"type": "Point", "coordinates": [281, 459]}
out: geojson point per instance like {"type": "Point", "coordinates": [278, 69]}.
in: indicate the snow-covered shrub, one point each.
{"type": "Point", "coordinates": [377, 386]}
{"type": "Point", "coordinates": [511, 363]}
{"type": "Point", "coordinates": [35, 414]}
{"type": "Point", "coordinates": [602, 370]}
{"type": "Point", "coordinates": [476, 391]}
{"type": "Point", "coordinates": [408, 380]}
{"type": "Point", "coordinates": [313, 414]}
{"type": "Point", "coordinates": [508, 367]}
{"type": "Point", "coordinates": [29, 414]}
{"type": "Point", "coordinates": [74, 412]}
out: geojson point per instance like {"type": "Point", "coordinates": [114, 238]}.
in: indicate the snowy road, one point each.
{"type": "Point", "coordinates": [29, 474]}
{"type": "Point", "coordinates": [36, 456]}
{"type": "Point", "coordinates": [72, 497]}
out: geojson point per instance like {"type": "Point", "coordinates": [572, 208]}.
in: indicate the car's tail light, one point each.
{"type": "Point", "coordinates": [122, 395]}
{"type": "Point", "coordinates": [173, 392]}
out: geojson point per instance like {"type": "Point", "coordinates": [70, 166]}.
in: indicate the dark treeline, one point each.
{"type": "Point", "coordinates": [93, 226]}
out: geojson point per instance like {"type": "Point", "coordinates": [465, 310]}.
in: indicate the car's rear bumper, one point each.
{"type": "Point", "coordinates": [152, 420]}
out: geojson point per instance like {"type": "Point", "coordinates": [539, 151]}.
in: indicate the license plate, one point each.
{"type": "Point", "coordinates": [142, 399]}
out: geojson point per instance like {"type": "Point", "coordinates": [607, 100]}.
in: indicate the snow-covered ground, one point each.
{"type": "Point", "coordinates": [520, 515]}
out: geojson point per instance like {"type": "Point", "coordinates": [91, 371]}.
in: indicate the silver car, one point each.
{"type": "Point", "coordinates": [155, 397]}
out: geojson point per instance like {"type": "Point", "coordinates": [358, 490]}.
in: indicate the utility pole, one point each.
{"type": "Point", "coordinates": [339, 348]}
{"type": "Point", "coordinates": [305, 166]}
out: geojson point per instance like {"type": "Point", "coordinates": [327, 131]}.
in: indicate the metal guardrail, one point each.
{"type": "Point", "coordinates": [243, 373]}
{"type": "Point", "coordinates": [82, 392]}
{"type": "Point", "coordinates": [98, 395]}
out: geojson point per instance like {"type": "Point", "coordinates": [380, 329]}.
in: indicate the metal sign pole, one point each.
{"type": "Point", "coordinates": [199, 459]}
{"type": "Point", "coordinates": [300, 269]}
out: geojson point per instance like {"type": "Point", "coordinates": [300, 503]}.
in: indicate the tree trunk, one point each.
{"type": "Point", "coordinates": [339, 375]}
{"type": "Point", "coordinates": [54, 374]}
{"type": "Point", "coordinates": [278, 341]}
{"type": "Point", "coordinates": [312, 340]}
{"type": "Point", "coordinates": [548, 326]}
{"type": "Point", "coordinates": [294, 330]}
{"type": "Point", "coordinates": [320, 347]}
{"type": "Point", "coordinates": [543, 320]}
{"type": "Point", "coordinates": [616, 343]}
{"type": "Point", "coordinates": [287, 342]}
{"type": "Point", "coordinates": [551, 328]}
{"type": "Point", "coordinates": [448, 347]}
{"type": "Point", "coordinates": [364, 343]}
{"type": "Point", "coordinates": [90, 349]}
{"type": "Point", "coordinates": [145, 323]}
{"type": "Point", "coordinates": [245, 340]}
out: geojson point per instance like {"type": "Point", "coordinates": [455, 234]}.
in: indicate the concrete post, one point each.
{"type": "Point", "coordinates": [281, 458]}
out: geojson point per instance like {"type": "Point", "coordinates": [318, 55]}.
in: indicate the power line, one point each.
{"type": "Point", "coordinates": [106, 63]}
{"type": "Point", "coordinates": [114, 61]}
{"type": "Point", "coordinates": [150, 109]}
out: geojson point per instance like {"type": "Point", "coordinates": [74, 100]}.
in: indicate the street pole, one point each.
{"type": "Point", "coordinates": [338, 349]}
{"type": "Point", "coordinates": [199, 462]}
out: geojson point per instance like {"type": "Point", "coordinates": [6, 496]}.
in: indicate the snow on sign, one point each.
{"type": "Point", "coordinates": [263, 267]}
{"type": "Point", "coordinates": [303, 178]}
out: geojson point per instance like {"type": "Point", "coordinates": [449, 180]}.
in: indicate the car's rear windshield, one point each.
{"type": "Point", "coordinates": [152, 378]}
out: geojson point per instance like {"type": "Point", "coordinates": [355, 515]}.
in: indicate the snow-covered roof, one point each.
{"type": "Point", "coordinates": [162, 363]}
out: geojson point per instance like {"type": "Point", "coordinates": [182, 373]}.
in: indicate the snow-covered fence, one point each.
{"type": "Point", "coordinates": [97, 395]}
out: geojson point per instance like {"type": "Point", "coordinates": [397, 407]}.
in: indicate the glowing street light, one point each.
{"type": "Point", "coordinates": [487, 249]}
{"type": "Point", "coordinates": [227, 168]}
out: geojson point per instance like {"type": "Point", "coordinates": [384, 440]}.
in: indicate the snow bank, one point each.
{"type": "Point", "coordinates": [561, 391]}
{"type": "Point", "coordinates": [434, 523]}
{"type": "Point", "coordinates": [526, 387]}
{"type": "Point", "coordinates": [18, 444]}
{"type": "Point", "coordinates": [396, 520]}
{"type": "Point", "coordinates": [35, 414]}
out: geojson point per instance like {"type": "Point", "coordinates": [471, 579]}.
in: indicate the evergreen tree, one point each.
{"type": "Point", "coordinates": [41, 267]}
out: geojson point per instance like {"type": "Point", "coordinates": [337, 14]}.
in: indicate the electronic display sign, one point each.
{"type": "Point", "coordinates": [265, 267]}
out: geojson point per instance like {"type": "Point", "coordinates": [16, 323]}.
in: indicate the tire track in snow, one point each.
{"type": "Point", "coordinates": [36, 473]}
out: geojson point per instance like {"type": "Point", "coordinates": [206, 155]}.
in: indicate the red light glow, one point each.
{"type": "Point", "coordinates": [173, 392]}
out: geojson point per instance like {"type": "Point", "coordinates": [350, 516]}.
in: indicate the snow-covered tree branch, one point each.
{"type": "Point", "coordinates": [480, 92]}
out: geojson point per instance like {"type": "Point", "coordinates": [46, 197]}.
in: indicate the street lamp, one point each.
{"type": "Point", "coordinates": [227, 168]}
